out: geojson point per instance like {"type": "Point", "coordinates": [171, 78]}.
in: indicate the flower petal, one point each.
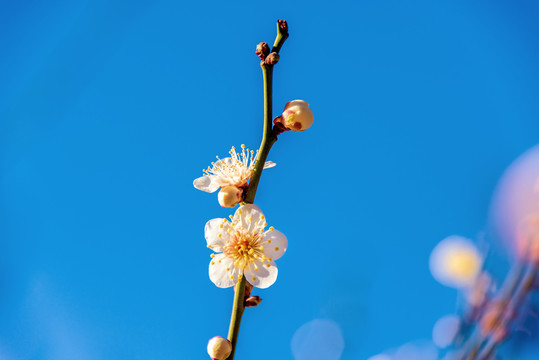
{"type": "Point", "coordinates": [249, 216]}
{"type": "Point", "coordinates": [269, 164]}
{"type": "Point", "coordinates": [222, 271]}
{"type": "Point", "coordinates": [206, 183]}
{"type": "Point", "coordinates": [261, 275]}
{"type": "Point", "coordinates": [217, 233]}
{"type": "Point", "coordinates": [296, 103]}
{"type": "Point", "coordinates": [275, 244]}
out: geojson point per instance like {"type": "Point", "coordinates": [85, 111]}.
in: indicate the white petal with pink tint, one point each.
{"type": "Point", "coordinates": [249, 216]}
{"type": "Point", "coordinates": [244, 248]}
{"type": "Point", "coordinates": [261, 275]}
{"type": "Point", "coordinates": [275, 244]}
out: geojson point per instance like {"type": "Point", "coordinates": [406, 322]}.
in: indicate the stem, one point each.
{"type": "Point", "coordinates": [268, 139]}
{"type": "Point", "coordinates": [282, 35]}
{"type": "Point", "coordinates": [477, 344]}
{"type": "Point", "coordinates": [513, 303]}
{"type": "Point", "coordinates": [237, 312]}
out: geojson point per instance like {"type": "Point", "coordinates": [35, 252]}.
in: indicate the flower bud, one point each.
{"type": "Point", "coordinates": [283, 26]}
{"type": "Point", "coordinates": [272, 58]}
{"type": "Point", "coordinates": [230, 196]}
{"type": "Point", "coordinates": [262, 50]}
{"type": "Point", "coordinates": [219, 348]}
{"type": "Point", "coordinates": [252, 301]}
{"type": "Point", "coordinates": [297, 116]}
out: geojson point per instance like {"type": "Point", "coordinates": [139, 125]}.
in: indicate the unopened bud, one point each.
{"type": "Point", "coordinates": [283, 26]}
{"type": "Point", "coordinates": [272, 59]}
{"type": "Point", "coordinates": [252, 301]}
{"type": "Point", "coordinates": [219, 348]}
{"type": "Point", "coordinates": [297, 116]}
{"type": "Point", "coordinates": [262, 50]}
{"type": "Point", "coordinates": [230, 196]}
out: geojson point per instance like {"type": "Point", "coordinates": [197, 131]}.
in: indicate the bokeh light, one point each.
{"type": "Point", "coordinates": [516, 197]}
{"type": "Point", "coordinates": [416, 351]}
{"type": "Point", "coordinates": [319, 339]}
{"type": "Point", "coordinates": [455, 262]}
{"type": "Point", "coordinates": [380, 357]}
{"type": "Point", "coordinates": [444, 330]}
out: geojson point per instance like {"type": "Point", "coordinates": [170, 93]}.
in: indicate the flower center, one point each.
{"type": "Point", "coordinates": [236, 169]}
{"type": "Point", "coordinates": [244, 248]}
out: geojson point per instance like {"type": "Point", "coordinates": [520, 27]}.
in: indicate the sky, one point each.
{"type": "Point", "coordinates": [109, 110]}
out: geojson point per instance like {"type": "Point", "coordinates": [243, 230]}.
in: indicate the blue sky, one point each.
{"type": "Point", "coordinates": [109, 110]}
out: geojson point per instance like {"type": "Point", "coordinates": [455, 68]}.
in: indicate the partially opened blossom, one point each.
{"type": "Point", "coordinates": [244, 248]}
{"type": "Point", "coordinates": [231, 173]}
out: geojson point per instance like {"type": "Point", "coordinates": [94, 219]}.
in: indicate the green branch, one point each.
{"type": "Point", "coordinates": [268, 139]}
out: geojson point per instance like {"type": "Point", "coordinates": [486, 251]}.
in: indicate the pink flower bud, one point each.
{"type": "Point", "coordinates": [230, 196]}
{"type": "Point", "coordinates": [297, 116]}
{"type": "Point", "coordinates": [219, 348]}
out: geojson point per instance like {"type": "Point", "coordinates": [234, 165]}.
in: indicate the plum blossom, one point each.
{"type": "Point", "coordinates": [230, 174]}
{"type": "Point", "coordinates": [244, 248]}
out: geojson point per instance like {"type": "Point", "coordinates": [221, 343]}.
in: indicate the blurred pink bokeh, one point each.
{"type": "Point", "coordinates": [516, 198]}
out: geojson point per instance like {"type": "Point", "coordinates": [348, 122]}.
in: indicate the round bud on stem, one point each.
{"type": "Point", "coordinates": [297, 116]}
{"type": "Point", "coordinates": [219, 348]}
{"type": "Point", "coordinates": [230, 196]}
{"type": "Point", "coordinates": [262, 50]}
{"type": "Point", "coordinates": [272, 58]}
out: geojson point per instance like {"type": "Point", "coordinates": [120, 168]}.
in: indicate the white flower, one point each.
{"type": "Point", "coordinates": [235, 170]}
{"type": "Point", "coordinates": [244, 248]}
